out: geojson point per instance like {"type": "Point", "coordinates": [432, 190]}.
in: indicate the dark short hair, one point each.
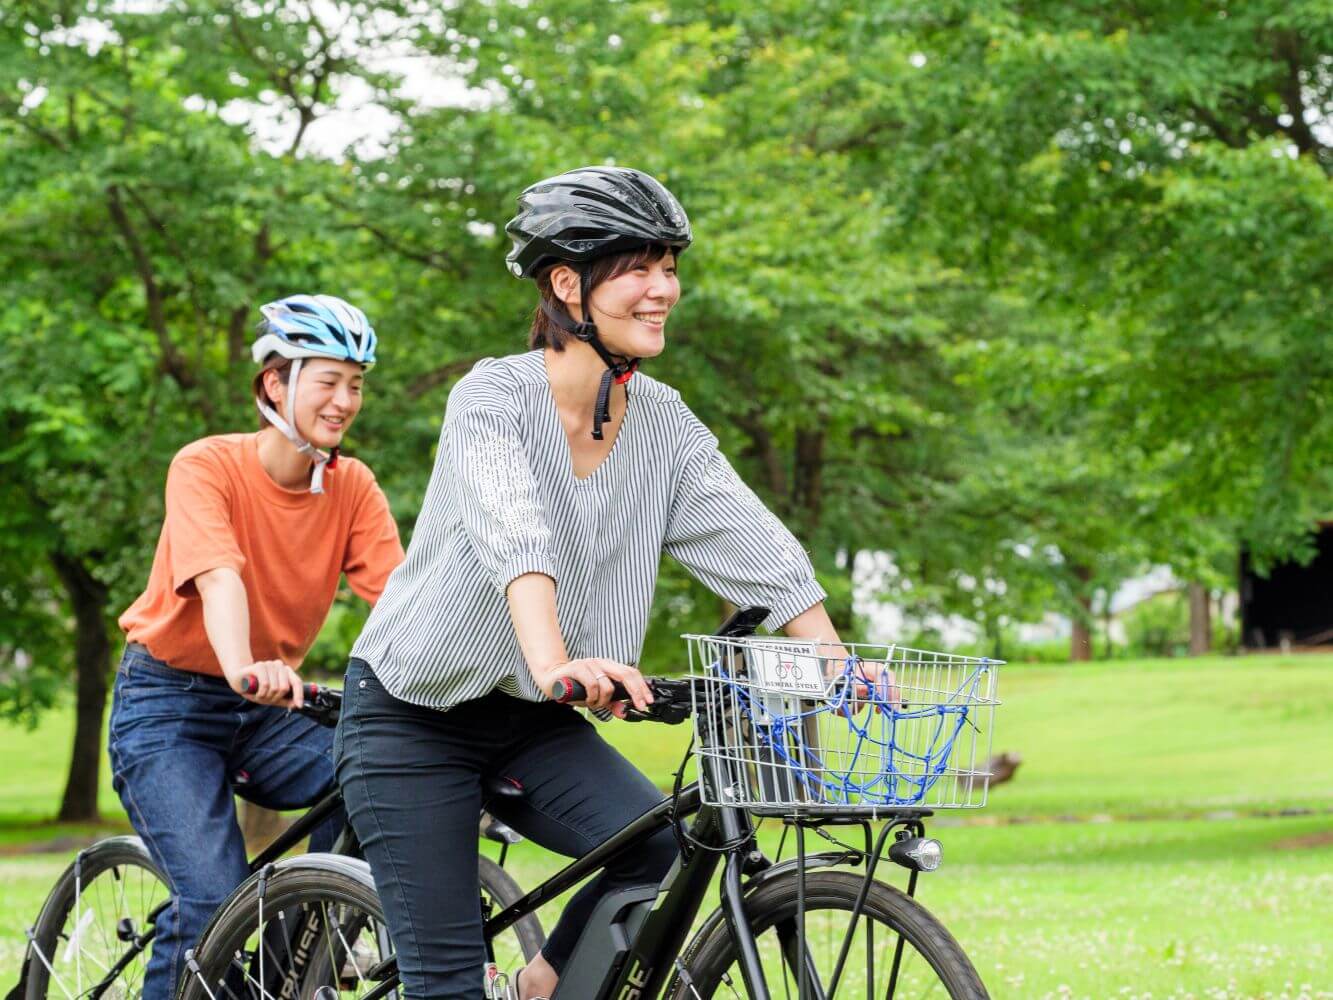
{"type": "Point", "coordinates": [544, 332]}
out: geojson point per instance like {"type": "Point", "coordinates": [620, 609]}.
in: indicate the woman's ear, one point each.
{"type": "Point", "coordinates": [274, 387]}
{"type": "Point", "coordinates": [565, 284]}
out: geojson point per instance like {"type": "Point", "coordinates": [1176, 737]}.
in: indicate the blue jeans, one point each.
{"type": "Point", "coordinates": [181, 745]}
{"type": "Point", "coordinates": [412, 781]}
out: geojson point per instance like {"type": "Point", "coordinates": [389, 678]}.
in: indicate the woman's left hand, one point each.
{"type": "Point", "coordinates": [875, 677]}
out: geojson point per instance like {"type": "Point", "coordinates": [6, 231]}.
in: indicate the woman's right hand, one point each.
{"type": "Point", "coordinates": [598, 677]}
{"type": "Point", "coordinates": [268, 682]}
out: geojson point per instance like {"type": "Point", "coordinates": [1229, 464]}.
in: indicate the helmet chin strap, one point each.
{"type": "Point", "coordinates": [288, 428]}
{"type": "Point", "coordinates": [619, 370]}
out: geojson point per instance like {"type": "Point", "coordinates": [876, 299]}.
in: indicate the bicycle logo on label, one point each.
{"type": "Point", "coordinates": [789, 670]}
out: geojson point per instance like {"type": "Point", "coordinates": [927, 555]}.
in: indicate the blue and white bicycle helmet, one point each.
{"type": "Point", "coordinates": [310, 326]}
{"type": "Point", "coordinates": [315, 326]}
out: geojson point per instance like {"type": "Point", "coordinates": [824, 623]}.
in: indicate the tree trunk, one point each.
{"type": "Point", "coordinates": [88, 597]}
{"type": "Point", "coordinates": [1201, 625]}
{"type": "Point", "coordinates": [259, 826]}
{"type": "Point", "coordinates": [846, 610]}
{"type": "Point", "coordinates": [808, 481]}
{"type": "Point", "coordinates": [1080, 639]}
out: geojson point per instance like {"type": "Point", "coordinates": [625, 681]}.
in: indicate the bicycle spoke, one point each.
{"type": "Point", "coordinates": [244, 969]}
{"type": "Point", "coordinates": [351, 955]}
{"type": "Point", "coordinates": [124, 910]}
{"type": "Point", "coordinates": [870, 958]}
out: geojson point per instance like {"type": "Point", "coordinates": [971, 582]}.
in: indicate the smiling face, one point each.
{"type": "Point", "coordinates": [328, 398]}
{"type": "Point", "coordinates": [630, 309]}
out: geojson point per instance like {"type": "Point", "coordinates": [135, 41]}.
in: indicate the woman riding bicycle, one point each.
{"type": "Point", "coordinates": [258, 529]}
{"type": "Point", "coordinates": [561, 476]}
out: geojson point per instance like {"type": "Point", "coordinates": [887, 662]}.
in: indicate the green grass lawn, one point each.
{"type": "Point", "coordinates": [1164, 906]}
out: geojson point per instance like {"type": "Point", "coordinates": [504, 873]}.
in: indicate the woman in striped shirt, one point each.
{"type": "Point", "coordinates": [562, 475]}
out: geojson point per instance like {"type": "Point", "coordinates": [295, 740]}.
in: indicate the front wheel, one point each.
{"type": "Point", "coordinates": [897, 950]}
{"type": "Point", "coordinates": [308, 927]}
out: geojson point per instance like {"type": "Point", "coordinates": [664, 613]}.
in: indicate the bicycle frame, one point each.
{"type": "Point", "coordinates": [645, 967]}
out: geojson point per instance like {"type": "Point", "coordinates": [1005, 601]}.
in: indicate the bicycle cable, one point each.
{"type": "Point", "coordinates": [685, 839]}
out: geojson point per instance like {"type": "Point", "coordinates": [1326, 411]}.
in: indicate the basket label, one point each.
{"type": "Point", "coordinates": [791, 666]}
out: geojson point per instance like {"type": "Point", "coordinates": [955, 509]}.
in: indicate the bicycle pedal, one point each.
{"type": "Point", "coordinates": [357, 964]}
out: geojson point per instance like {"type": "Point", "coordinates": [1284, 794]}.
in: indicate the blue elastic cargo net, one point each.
{"type": "Point", "coordinates": [782, 735]}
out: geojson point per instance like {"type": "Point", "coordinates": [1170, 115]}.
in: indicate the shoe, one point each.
{"type": "Point", "coordinates": [518, 991]}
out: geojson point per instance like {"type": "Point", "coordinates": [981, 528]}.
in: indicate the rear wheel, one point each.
{"type": "Point", "coordinates": [96, 926]}
{"type": "Point", "coordinates": [897, 950]}
{"type": "Point", "coordinates": [320, 934]}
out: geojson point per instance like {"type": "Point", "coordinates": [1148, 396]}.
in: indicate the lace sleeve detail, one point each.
{"type": "Point", "coordinates": [498, 496]}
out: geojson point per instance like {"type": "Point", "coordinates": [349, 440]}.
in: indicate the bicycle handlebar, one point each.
{"type": "Point", "coordinates": [321, 703]}
{"type": "Point", "coordinates": [672, 698]}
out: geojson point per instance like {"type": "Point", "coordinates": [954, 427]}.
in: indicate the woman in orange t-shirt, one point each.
{"type": "Point", "coordinates": [258, 530]}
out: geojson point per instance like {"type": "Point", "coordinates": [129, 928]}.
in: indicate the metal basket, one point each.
{"type": "Point", "coordinates": [791, 727]}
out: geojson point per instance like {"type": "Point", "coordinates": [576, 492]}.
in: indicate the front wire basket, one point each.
{"type": "Point", "coordinates": [793, 727]}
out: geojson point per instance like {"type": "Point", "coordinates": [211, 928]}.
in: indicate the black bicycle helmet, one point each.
{"type": "Point", "coordinates": [583, 214]}
{"type": "Point", "coordinates": [591, 212]}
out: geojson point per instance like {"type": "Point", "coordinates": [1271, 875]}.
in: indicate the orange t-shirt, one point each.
{"type": "Point", "coordinates": [289, 547]}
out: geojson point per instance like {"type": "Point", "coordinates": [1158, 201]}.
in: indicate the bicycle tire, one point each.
{"type": "Point", "coordinates": [117, 873]}
{"type": "Point", "coordinates": [710, 960]}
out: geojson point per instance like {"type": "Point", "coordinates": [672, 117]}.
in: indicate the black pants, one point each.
{"type": "Point", "coordinates": [412, 781]}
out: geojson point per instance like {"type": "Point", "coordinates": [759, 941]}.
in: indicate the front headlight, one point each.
{"type": "Point", "coordinates": [922, 854]}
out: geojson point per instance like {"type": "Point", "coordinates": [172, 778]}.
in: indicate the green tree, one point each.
{"type": "Point", "coordinates": [1155, 179]}
{"type": "Point", "coordinates": [140, 232]}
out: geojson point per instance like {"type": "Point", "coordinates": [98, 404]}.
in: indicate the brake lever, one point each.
{"type": "Point", "coordinates": [665, 708]}
{"type": "Point", "coordinates": [325, 708]}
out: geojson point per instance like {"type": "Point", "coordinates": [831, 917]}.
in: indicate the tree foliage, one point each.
{"type": "Point", "coordinates": [1030, 296]}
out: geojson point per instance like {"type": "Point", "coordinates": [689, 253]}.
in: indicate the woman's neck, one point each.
{"type": "Point", "coordinates": [284, 464]}
{"type": "Point", "coordinates": [575, 375]}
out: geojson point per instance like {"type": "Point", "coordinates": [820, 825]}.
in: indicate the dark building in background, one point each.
{"type": "Point", "coordinates": [1293, 604]}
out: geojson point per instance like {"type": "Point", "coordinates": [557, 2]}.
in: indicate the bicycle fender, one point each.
{"type": "Point", "coordinates": [826, 859]}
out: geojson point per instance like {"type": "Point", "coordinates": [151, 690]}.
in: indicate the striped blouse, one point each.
{"type": "Point", "coordinates": [503, 500]}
